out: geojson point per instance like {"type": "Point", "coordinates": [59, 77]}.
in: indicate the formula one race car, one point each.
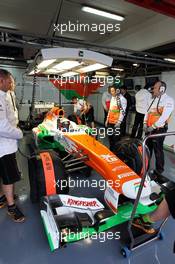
{"type": "Point", "coordinates": [68, 218]}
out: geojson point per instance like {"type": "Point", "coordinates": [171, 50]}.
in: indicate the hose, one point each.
{"type": "Point", "coordinates": [25, 155]}
{"type": "Point", "coordinates": [33, 93]}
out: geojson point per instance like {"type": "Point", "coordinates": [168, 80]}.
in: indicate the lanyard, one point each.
{"type": "Point", "coordinates": [14, 106]}
{"type": "Point", "coordinates": [157, 105]}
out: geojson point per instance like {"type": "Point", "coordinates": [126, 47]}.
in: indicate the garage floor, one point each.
{"type": "Point", "coordinates": [26, 243]}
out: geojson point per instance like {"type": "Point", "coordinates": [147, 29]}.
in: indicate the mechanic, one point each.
{"type": "Point", "coordinates": [115, 115]}
{"type": "Point", "coordinates": [124, 92]}
{"type": "Point", "coordinates": [156, 121]}
{"type": "Point", "coordinates": [88, 115]}
{"type": "Point", "coordinates": [106, 98]}
{"type": "Point", "coordinates": [164, 210]}
{"type": "Point", "coordinates": [78, 108]}
{"type": "Point", "coordinates": [143, 97]}
{"type": "Point", "coordinates": [9, 134]}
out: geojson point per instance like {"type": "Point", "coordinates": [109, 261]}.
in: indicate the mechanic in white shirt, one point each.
{"type": "Point", "coordinates": [79, 105]}
{"type": "Point", "coordinates": [156, 121]}
{"type": "Point", "coordinates": [9, 134]}
{"type": "Point", "coordinates": [143, 97]}
{"type": "Point", "coordinates": [116, 115]}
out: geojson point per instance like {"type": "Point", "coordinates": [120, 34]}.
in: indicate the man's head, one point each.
{"type": "Point", "coordinates": [6, 81]}
{"type": "Point", "coordinates": [123, 89]}
{"type": "Point", "coordinates": [74, 99]}
{"type": "Point", "coordinates": [159, 88]}
{"type": "Point", "coordinates": [112, 90]}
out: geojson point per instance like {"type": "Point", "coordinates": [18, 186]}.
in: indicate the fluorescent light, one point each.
{"type": "Point", "coordinates": [102, 13]}
{"type": "Point", "coordinates": [100, 76]}
{"type": "Point", "coordinates": [92, 67]}
{"type": "Point", "coordinates": [45, 63]}
{"type": "Point", "coordinates": [66, 65]}
{"type": "Point", "coordinates": [52, 71]}
{"type": "Point", "coordinates": [117, 69]}
{"type": "Point", "coordinates": [98, 73]}
{"type": "Point", "coordinates": [169, 59]}
{"type": "Point", "coordinates": [7, 58]}
{"type": "Point", "coordinates": [32, 72]}
{"type": "Point", "coordinates": [68, 74]}
{"type": "Point", "coordinates": [135, 64]}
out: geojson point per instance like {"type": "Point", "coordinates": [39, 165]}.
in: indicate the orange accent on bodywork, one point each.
{"type": "Point", "coordinates": [55, 111]}
{"type": "Point", "coordinates": [112, 169]}
{"type": "Point", "coordinates": [147, 161]}
{"type": "Point", "coordinates": [49, 173]}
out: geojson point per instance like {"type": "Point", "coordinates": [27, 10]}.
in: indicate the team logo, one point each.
{"type": "Point", "coordinates": [109, 158]}
{"type": "Point", "coordinates": [126, 174]}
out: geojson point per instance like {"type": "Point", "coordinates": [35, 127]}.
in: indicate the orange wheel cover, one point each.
{"type": "Point", "coordinates": [49, 173]}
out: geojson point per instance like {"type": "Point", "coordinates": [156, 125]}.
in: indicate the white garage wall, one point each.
{"type": "Point", "coordinates": [45, 91]}
{"type": "Point", "coordinates": [169, 78]}
{"type": "Point", "coordinates": [95, 100]}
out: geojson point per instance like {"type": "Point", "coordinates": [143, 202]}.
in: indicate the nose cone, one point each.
{"type": "Point", "coordinates": [130, 189]}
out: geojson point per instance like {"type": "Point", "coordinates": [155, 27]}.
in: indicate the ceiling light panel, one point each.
{"type": "Point", "coordinates": [66, 65]}
{"type": "Point", "coordinates": [69, 74]}
{"type": "Point", "coordinates": [169, 59]}
{"type": "Point", "coordinates": [92, 67]}
{"type": "Point", "coordinates": [56, 60]}
{"type": "Point", "coordinates": [45, 64]}
{"type": "Point", "coordinates": [102, 13]}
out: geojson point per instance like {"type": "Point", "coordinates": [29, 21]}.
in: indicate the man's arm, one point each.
{"type": "Point", "coordinates": [103, 100]}
{"type": "Point", "coordinates": [6, 129]}
{"type": "Point", "coordinates": [123, 102]}
{"type": "Point", "coordinates": [167, 111]}
{"type": "Point", "coordinates": [149, 102]}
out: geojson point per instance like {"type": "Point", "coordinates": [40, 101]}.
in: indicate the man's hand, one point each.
{"type": "Point", "coordinates": [117, 125]}
{"type": "Point", "coordinates": [147, 129]}
{"type": "Point", "coordinates": [106, 123]}
{"type": "Point", "coordinates": [150, 129]}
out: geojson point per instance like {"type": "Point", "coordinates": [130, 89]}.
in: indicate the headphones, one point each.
{"type": "Point", "coordinates": [162, 87]}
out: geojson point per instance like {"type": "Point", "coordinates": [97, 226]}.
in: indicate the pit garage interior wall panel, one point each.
{"type": "Point", "coordinates": [169, 78]}
{"type": "Point", "coordinates": [45, 91]}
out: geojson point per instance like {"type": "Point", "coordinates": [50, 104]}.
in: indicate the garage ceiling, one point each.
{"type": "Point", "coordinates": [37, 18]}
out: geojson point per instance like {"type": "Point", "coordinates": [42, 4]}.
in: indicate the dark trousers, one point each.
{"type": "Point", "coordinates": [114, 136]}
{"type": "Point", "coordinates": [123, 126]}
{"type": "Point", "coordinates": [156, 144]}
{"type": "Point", "coordinates": [138, 126]}
{"type": "Point", "coordinates": [105, 115]}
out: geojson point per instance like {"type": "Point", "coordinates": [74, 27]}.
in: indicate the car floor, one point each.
{"type": "Point", "coordinates": [26, 243]}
